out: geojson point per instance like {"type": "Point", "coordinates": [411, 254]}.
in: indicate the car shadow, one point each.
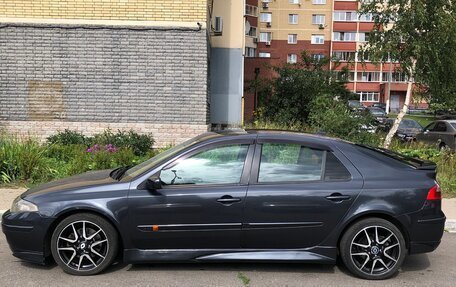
{"type": "Point", "coordinates": [237, 267]}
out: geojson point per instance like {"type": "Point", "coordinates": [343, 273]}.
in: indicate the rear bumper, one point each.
{"type": "Point", "coordinates": [426, 230]}
{"type": "Point", "coordinates": [26, 235]}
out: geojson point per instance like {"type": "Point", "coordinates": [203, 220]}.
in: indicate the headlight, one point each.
{"type": "Point", "coordinates": [20, 205]}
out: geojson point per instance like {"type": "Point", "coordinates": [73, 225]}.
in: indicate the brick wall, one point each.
{"type": "Point", "coordinates": [55, 77]}
{"type": "Point", "coordinates": [150, 10]}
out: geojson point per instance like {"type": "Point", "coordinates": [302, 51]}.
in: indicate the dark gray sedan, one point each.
{"type": "Point", "coordinates": [440, 133]}
{"type": "Point", "coordinates": [249, 196]}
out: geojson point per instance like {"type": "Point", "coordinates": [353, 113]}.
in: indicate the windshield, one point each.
{"type": "Point", "coordinates": [454, 125]}
{"type": "Point", "coordinates": [409, 124]}
{"type": "Point", "coordinates": [148, 164]}
{"type": "Point", "coordinates": [354, 104]}
{"type": "Point", "coordinates": [377, 111]}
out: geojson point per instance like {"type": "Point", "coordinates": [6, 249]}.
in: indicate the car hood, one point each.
{"type": "Point", "coordinates": [411, 131]}
{"type": "Point", "coordinates": [88, 179]}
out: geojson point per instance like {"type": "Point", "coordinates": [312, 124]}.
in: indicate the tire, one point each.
{"type": "Point", "coordinates": [97, 246]}
{"type": "Point", "coordinates": [371, 256]}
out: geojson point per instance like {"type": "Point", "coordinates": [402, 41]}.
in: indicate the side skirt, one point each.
{"type": "Point", "coordinates": [321, 254]}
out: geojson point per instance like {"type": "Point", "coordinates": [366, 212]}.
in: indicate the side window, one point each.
{"type": "Point", "coordinates": [334, 169]}
{"type": "Point", "coordinates": [430, 127]}
{"type": "Point", "coordinates": [220, 165]}
{"type": "Point", "coordinates": [289, 162]}
{"type": "Point", "coordinates": [440, 127]}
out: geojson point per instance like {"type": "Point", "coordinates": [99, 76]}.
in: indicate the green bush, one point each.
{"type": "Point", "coordinates": [68, 137]}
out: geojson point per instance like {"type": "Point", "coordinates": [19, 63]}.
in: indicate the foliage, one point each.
{"type": "Point", "coordinates": [293, 90]}
{"type": "Point", "coordinates": [68, 137]}
{"type": "Point", "coordinates": [140, 144]}
{"type": "Point", "coordinates": [421, 31]}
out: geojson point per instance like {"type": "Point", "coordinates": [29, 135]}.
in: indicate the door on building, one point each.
{"type": "Point", "coordinates": [394, 103]}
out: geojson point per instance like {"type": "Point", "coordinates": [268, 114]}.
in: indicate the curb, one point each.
{"type": "Point", "coordinates": [450, 225]}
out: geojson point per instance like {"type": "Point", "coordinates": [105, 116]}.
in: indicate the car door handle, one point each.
{"type": "Point", "coordinates": [228, 199]}
{"type": "Point", "coordinates": [337, 197]}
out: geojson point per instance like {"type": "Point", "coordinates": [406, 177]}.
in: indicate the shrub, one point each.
{"type": "Point", "coordinates": [68, 137]}
{"type": "Point", "coordinates": [139, 144]}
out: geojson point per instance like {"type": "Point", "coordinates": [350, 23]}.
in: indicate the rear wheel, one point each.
{"type": "Point", "coordinates": [373, 248]}
{"type": "Point", "coordinates": [84, 244]}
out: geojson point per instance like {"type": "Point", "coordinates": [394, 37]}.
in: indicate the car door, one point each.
{"type": "Point", "coordinates": [298, 193]}
{"type": "Point", "coordinates": [200, 202]}
{"type": "Point", "coordinates": [428, 134]}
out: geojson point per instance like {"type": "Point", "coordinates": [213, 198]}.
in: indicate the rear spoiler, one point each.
{"type": "Point", "coordinates": [414, 162]}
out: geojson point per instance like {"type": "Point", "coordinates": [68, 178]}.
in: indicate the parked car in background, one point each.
{"type": "Point", "coordinates": [378, 113]}
{"type": "Point", "coordinates": [380, 105]}
{"type": "Point", "coordinates": [253, 196]}
{"type": "Point", "coordinates": [440, 133]}
{"type": "Point", "coordinates": [356, 105]}
{"type": "Point", "coordinates": [407, 130]}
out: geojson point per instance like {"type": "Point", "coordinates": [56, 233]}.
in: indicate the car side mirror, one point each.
{"type": "Point", "coordinates": [425, 131]}
{"type": "Point", "coordinates": [152, 184]}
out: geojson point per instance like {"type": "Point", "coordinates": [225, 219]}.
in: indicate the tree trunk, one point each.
{"type": "Point", "coordinates": [404, 109]}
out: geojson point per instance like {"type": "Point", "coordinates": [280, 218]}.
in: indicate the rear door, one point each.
{"type": "Point", "coordinates": [298, 193]}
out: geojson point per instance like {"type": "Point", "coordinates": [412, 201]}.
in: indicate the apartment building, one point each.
{"type": "Point", "coordinates": [153, 66]}
{"type": "Point", "coordinates": [323, 28]}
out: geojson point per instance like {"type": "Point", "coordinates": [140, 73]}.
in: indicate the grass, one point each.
{"type": "Point", "coordinates": [423, 120]}
{"type": "Point", "coordinates": [245, 280]}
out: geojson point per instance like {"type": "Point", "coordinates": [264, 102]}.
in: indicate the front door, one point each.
{"type": "Point", "coordinates": [200, 203]}
{"type": "Point", "coordinates": [395, 104]}
{"type": "Point", "coordinates": [298, 195]}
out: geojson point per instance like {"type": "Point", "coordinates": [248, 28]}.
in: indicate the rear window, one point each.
{"type": "Point", "coordinates": [454, 125]}
{"type": "Point", "coordinates": [388, 155]}
{"type": "Point", "coordinates": [334, 169]}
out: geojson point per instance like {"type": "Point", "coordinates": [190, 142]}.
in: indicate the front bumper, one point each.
{"type": "Point", "coordinates": [27, 235]}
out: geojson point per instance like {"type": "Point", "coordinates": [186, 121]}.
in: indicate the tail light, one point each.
{"type": "Point", "coordinates": [434, 193]}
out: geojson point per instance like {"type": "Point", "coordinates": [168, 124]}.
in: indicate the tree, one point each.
{"type": "Point", "coordinates": [420, 35]}
{"type": "Point", "coordinates": [296, 86]}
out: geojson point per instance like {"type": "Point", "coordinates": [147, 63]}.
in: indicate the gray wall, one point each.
{"type": "Point", "coordinates": [103, 74]}
{"type": "Point", "coordinates": [226, 85]}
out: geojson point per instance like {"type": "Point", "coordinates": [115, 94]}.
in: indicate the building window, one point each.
{"type": "Point", "coordinates": [294, 1]}
{"type": "Point", "coordinates": [266, 17]}
{"type": "Point", "coordinates": [317, 39]}
{"type": "Point", "coordinates": [318, 57]}
{"type": "Point", "coordinates": [292, 18]}
{"type": "Point", "coordinates": [345, 76]}
{"type": "Point", "coordinates": [344, 36]}
{"type": "Point", "coordinates": [264, 55]}
{"type": "Point", "coordinates": [319, 2]}
{"type": "Point", "coordinates": [368, 77]}
{"type": "Point", "coordinates": [251, 10]}
{"type": "Point", "coordinates": [345, 16]}
{"type": "Point", "coordinates": [292, 38]}
{"type": "Point", "coordinates": [318, 19]}
{"type": "Point", "coordinates": [265, 37]}
{"type": "Point", "coordinates": [364, 37]}
{"type": "Point", "coordinates": [396, 77]}
{"type": "Point", "coordinates": [363, 56]}
{"type": "Point", "coordinates": [368, 96]}
{"type": "Point", "coordinates": [252, 32]}
{"type": "Point", "coordinates": [368, 17]}
{"type": "Point", "coordinates": [250, 52]}
{"type": "Point", "coordinates": [292, 58]}
{"type": "Point", "coordinates": [344, 56]}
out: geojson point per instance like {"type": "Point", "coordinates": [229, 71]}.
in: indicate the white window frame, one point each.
{"type": "Point", "coordinates": [318, 19]}
{"type": "Point", "coordinates": [292, 38]}
{"type": "Point", "coordinates": [268, 18]}
{"type": "Point", "coordinates": [362, 36]}
{"type": "Point", "coordinates": [364, 76]}
{"type": "Point", "coordinates": [292, 58]}
{"type": "Point", "coordinates": [346, 56]}
{"type": "Point", "coordinates": [344, 36]}
{"type": "Point", "coordinates": [294, 1]}
{"type": "Point", "coordinates": [251, 10]}
{"type": "Point", "coordinates": [373, 97]}
{"type": "Point", "coordinates": [341, 16]}
{"type": "Point", "coordinates": [264, 55]}
{"type": "Point", "coordinates": [250, 52]}
{"type": "Point", "coordinates": [317, 39]}
{"type": "Point", "coordinates": [318, 56]}
{"type": "Point", "coordinates": [319, 2]}
{"type": "Point", "coordinates": [262, 36]}
{"type": "Point", "coordinates": [292, 18]}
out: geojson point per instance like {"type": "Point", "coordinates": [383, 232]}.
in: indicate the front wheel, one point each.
{"type": "Point", "coordinates": [373, 249]}
{"type": "Point", "coordinates": [84, 244]}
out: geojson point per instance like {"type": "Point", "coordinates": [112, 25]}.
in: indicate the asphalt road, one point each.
{"type": "Point", "coordinates": [433, 269]}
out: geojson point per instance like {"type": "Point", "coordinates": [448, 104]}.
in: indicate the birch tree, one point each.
{"type": "Point", "coordinates": [420, 36]}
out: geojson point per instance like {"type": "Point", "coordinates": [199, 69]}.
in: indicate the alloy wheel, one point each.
{"type": "Point", "coordinates": [375, 250]}
{"type": "Point", "coordinates": [82, 245]}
